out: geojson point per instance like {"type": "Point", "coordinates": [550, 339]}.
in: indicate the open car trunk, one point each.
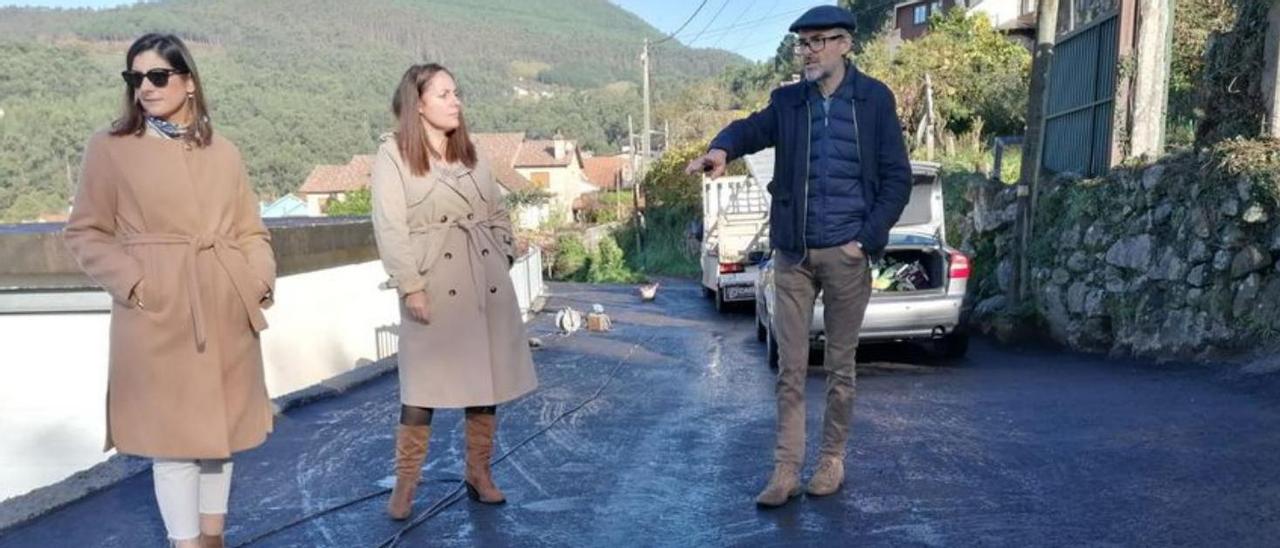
{"type": "Point", "coordinates": [915, 261]}
{"type": "Point", "coordinates": [910, 270]}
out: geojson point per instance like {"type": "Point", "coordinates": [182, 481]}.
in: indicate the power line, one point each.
{"type": "Point", "coordinates": [709, 23]}
{"type": "Point", "coordinates": [735, 21]}
{"type": "Point", "coordinates": [744, 39]}
{"type": "Point", "coordinates": [752, 23]}
{"type": "Point", "coordinates": [686, 23]}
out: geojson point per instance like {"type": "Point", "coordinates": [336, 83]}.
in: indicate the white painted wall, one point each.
{"type": "Point", "coordinates": [54, 375]}
{"type": "Point", "coordinates": [315, 204]}
{"type": "Point", "coordinates": [532, 217]}
{"type": "Point", "coordinates": [999, 11]}
{"type": "Point", "coordinates": [53, 384]}
{"type": "Point", "coordinates": [566, 184]}
{"type": "Point", "coordinates": [52, 393]}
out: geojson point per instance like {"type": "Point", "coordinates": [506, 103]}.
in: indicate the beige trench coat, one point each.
{"type": "Point", "coordinates": [448, 233]}
{"type": "Point", "coordinates": [185, 377]}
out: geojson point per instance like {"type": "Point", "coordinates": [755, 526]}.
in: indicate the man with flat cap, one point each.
{"type": "Point", "coordinates": [840, 181]}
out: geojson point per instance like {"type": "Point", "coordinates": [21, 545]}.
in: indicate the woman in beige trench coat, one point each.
{"type": "Point", "coordinates": [445, 238]}
{"type": "Point", "coordinates": [165, 221]}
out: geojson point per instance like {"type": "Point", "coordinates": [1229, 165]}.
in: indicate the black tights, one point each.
{"type": "Point", "coordinates": [421, 416]}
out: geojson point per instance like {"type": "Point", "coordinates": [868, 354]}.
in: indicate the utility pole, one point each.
{"type": "Point", "coordinates": [1271, 71]}
{"type": "Point", "coordinates": [1033, 145]}
{"type": "Point", "coordinates": [1151, 77]}
{"type": "Point", "coordinates": [932, 125]}
{"type": "Point", "coordinates": [646, 138]}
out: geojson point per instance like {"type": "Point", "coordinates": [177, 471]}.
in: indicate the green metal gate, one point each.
{"type": "Point", "coordinates": [1081, 103]}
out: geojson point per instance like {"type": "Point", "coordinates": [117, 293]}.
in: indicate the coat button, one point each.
{"type": "Point", "coordinates": [493, 290]}
{"type": "Point", "coordinates": [471, 216]}
{"type": "Point", "coordinates": [453, 293]}
{"type": "Point", "coordinates": [444, 219]}
{"type": "Point", "coordinates": [448, 255]}
{"type": "Point", "coordinates": [484, 252]}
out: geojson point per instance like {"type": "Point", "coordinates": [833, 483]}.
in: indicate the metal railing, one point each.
{"type": "Point", "coordinates": [526, 276]}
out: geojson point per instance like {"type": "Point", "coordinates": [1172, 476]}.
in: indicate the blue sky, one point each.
{"type": "Point", "coordinates": [751, 28]}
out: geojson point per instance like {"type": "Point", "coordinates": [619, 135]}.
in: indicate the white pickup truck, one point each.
{"type": "Point", "coordinates": [735, 234]}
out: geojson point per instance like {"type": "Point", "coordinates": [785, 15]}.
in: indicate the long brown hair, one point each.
{"type": "Point", "coordinates": [411, 137]}
{"type": "Point", "coordinates": [132, 120]}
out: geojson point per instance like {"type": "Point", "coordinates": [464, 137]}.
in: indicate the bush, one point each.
{"type": "Point", "coordinates": [570, 258]}
{"type": "Point", "coordinates": [659, 247]}
{"type": "Point", "coordinates": [607, 264]}
{"type": "Point", "coordinates": [358, 204]}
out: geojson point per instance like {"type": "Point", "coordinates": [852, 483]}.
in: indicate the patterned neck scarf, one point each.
{"type": "Point", "coordinates": [167, 129]}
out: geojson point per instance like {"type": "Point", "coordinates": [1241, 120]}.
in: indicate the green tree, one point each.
{"type": "Point", "coordinates": [359, 203]}
{"type": "Point", "coordinates": [980, 77]}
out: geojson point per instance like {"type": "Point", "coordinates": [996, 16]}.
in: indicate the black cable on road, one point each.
{"type": "Point", "coordinates": [457, 493]}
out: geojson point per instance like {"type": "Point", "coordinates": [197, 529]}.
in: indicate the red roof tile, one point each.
{"type": "Point", "coordinates": [501, 149]}
{"type": "Point", "coordinates": [327, 179]}
{"type": "Point", "coordinates": [542, 153]}
{"type": "Point", "coordinates": [605, 171]}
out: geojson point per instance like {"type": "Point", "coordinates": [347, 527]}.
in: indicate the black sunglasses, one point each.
{"type": "Point", "coordinates": [159, 77]}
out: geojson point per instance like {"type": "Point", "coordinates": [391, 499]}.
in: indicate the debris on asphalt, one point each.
{"type": "Point", "coordinates": [648, 292]}
{"type": "Point", "coordinates": [568, 320]}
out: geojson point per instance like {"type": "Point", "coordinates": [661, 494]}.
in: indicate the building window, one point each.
{"type": "Point", "coordinates": [921, 14]}
{"type": "Point", "coordinates": [936, 7]}
{"type": "Point", "coordinates": [541, 179]}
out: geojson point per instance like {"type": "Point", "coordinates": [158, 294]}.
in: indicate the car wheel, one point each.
{"type": "Point", "coordinates": [761, 332]}
{"type": "Point", "coordinates": [771, 348]}
{"type": "Point", "coordinates": [954, 346]}
{"type": "Point", "coordinates": [721, 305]}
{"type": "Point", "coordinates": [707, 292]}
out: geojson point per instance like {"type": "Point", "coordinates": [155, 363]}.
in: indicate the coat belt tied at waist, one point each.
{"type": "Point", "coordinates": [227, 254]}
{"type": "Point", "coordinates": [479, 236]}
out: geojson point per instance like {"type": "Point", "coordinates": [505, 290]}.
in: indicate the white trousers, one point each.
{"type": "Point", "coordinates": [187, 488]}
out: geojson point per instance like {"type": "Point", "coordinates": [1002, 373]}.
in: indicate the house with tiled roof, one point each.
{"type": "Point", "coordinates": [553, 165]}
{"type": "Point", "coordinates": [609, 172]}
{"type": "Point", "coordinates": [1015, 18]}
{"type": "Point", "coordinates": [518, 164]}
{"type": "Point", "coordinates": [329, 182]}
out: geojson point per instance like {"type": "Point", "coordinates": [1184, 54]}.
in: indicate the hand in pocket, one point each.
{"type": "Point", "coordinates": [853, 249]}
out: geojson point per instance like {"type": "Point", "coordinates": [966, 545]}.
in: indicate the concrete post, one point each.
{"type": "Point", "coordinates": [1151, 77]}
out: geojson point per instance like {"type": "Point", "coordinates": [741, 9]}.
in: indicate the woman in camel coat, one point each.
{"type": "Point", "coordinates": [445, 238]}
{"type": "Point", "coordinates": [166, 222]}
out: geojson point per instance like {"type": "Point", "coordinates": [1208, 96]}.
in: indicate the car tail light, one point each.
{"type": "Point", "coordinates": [731, 268]}
{"type": "Point", "coordinates": [959, 266]}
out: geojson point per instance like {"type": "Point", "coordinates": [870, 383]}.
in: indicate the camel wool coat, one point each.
{"type": "Point", "coordinates": [448, 233]}
{"type": "Point", "coordinates": [185, 377]}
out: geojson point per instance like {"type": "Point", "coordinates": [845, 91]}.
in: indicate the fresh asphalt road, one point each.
{"type": "Point", "coordinates": [660, 432]}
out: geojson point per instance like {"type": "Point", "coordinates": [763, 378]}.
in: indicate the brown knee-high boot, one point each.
{"type": "Point", "coordinates": [411, 451]}
{"type": "Point", "coordinates": [480, 430]}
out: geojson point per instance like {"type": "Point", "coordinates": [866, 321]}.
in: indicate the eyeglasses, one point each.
{"type": "Point", "coordinates": [815, 44]}
{"type": "Point", "coordinates": [158, 77]}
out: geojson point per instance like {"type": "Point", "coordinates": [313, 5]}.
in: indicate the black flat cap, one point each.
{"type": "Point", "coordinates": [825, 17]}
